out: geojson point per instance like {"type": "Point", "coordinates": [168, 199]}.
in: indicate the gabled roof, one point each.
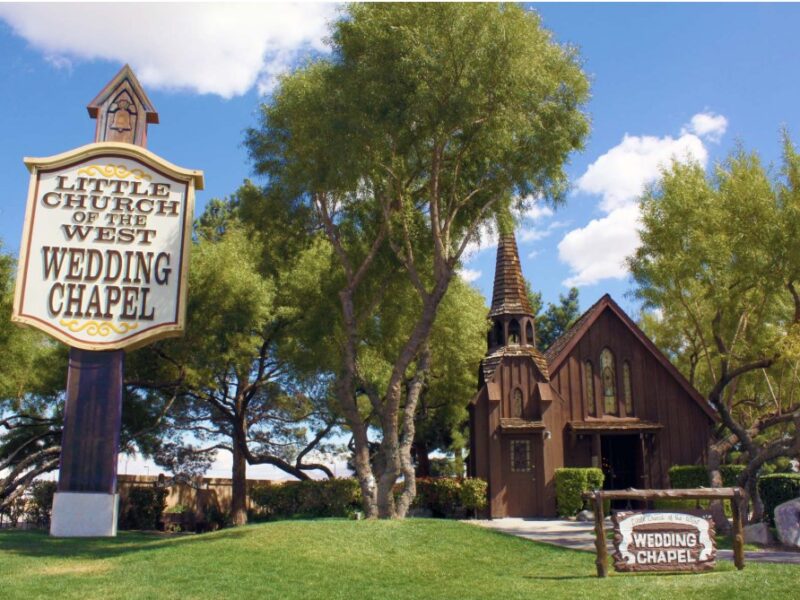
{"type": "Point", "coordinates": [489, 363]}
{"type": "Point", "coordinates": [509, 295]}
{"type": "Point", "coordinates": [125, 74]}
{"type": "Point", "coordinates": [560, 349]}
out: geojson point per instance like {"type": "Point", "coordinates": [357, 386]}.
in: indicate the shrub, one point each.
{"type": "Point", "coordinates": [473, 494]}
{"type": "Point", "coordinates": [439, 495]}
{"type": "Point", "coordinates": [776, 489]}
{"type": "Point", "coordinates": [41, 502]}
{"type": "Point", "coordinates": [730, 473]}
{"type": "Point", "coordinates": [311, 498]}
{"type": "Point", "coordinates": [688, 476]}
{"type": "Point", "coordinates": [571, 483]}
{"type": "Point", "coordinates": [142, 508]}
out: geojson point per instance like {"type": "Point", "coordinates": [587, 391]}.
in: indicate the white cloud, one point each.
{"type": "Point", "coordinates": [598, 250]}
{"type": "Point", "coordinates": [621, 174]}
{"type": "Point", "coordinates": [470, 275]}
{"type": "Point", "coordinates": [222, 49]}
{"type": "Point", "coordinates": [708, 125]}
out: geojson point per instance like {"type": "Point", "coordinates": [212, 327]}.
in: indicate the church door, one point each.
{"type": "Point", "coordinates": [522, 473]}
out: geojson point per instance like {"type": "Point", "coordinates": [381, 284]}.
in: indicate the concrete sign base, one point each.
{"type": "Point", "coordinates": [84, 514]}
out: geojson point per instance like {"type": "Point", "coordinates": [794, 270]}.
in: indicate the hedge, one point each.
{"type": "Point", "coordinates": [142, 508]}
{"type": "Point", "coordinates": [776, 489]}
{"type": "Point", "coordinates": [570, 485]}
{"type": "Point", "coordinates": [688, 476]}
{"type": "Point", "coordinates": [444, 497]}
{"type": "Point", "coordinates": [311, 498]}
{"type": "Point", "coordinates": [448, 497]}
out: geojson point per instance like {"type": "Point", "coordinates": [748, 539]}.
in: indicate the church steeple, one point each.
{"type": "Point", "coordinates": [511, 313]}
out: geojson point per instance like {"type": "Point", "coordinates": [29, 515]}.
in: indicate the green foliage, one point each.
{"type": "Point", "coordinates": [440, 495]}
{"type": "Point", "coordinates": [177, 509]}
{"type": "Point", "coordinates": [776, 489]}
{"type": "Point", "coordinates": [310, 498]}
{"type": "Point", "coordinates": [730, 474]}
{"type": "Point", "coordinates": [688, 476]}
{"type": "Point", "coordinates": [557, 318]}
{"type": "Point", "coordinates": [40, 504]}
{"type": "Point", "coordinates": [142, 508]}
{"type": "Point", "coordinates": [571, 483]}
{"type": "Point", "coordinates": [474, 494]}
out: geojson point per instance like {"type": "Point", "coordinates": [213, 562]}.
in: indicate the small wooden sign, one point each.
{"type": "Point", "coordinates": [663, 541]}
{"type": "Point", "coordinates": [103, 262]}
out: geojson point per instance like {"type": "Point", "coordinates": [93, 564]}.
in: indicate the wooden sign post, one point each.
{"type": "Point", "coordinates": [664, 541]}
{"type": "Point", "coordinates": [103, 268]}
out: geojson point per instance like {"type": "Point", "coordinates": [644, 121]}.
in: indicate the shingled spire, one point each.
{"type": "Point", "coordinates": [509, 296]}
{"type": "Point", "coordinates": [511, 310]}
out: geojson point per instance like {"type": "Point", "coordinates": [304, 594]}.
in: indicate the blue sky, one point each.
{"type": "Point", "coordinates": [653, 68]}
{"type": "Point", "coordinates": [666, 80]}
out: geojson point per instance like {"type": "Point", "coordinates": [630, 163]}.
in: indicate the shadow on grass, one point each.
{"type": "Point", "coordinates": [40, 544]}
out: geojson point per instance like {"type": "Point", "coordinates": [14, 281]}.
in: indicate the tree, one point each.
{"type": "Point", "coordinates": [720, 261]}
{"type": "Point", "coordinates": [427, 121]}
{"type": "Point", "coordinates": [556, 319]}
{"type": "Point", "coordinates": [227, 388]}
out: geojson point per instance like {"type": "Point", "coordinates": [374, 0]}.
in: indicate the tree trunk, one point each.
{"type": "Point", "coordinates": [420, 449]}
{"type": "Point", "coordinates": [716, 451]}
{"type": "Point", "coordinates": [239, 482]}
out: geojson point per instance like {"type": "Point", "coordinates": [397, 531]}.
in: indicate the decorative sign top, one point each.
{"type": "Point", "coordinates": [104, 254]}
{"type": "Point", "coordinates": [655, 541]}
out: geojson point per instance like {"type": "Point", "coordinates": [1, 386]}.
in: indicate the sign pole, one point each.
{"type": "Point", "coordinates": [86, 500]}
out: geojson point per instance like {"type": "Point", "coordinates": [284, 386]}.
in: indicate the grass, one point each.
{"type": "Point", "coordinates": [330, 559]}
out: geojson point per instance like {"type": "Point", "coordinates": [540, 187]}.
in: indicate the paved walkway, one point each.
{"type": "Point", "coordinates": [580, 536]}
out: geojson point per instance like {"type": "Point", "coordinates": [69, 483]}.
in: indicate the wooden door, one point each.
{"type": "Point", "coordinates": [522, 474]}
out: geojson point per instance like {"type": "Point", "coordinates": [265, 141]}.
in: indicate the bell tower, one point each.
{"type": "Point", "coordinates": [511, 313]}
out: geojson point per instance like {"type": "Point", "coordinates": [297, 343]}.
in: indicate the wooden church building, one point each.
{"type": "Point", "coordinates": [601, 396]}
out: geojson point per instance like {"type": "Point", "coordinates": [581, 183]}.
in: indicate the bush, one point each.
{"type": "Point", "coordinates": [473, 495]}
{"type": "Point", "coordinates": [311, 498]}
{"type": "Point", "coordinates": [41, 502]}
{"type": "Point", "coordinates": [776, 489]}
{"type": "Point", "coordinates": [442, 496]}
{"type": "Point", "coordinates": [571, 483]}
{"type": "Point", "coordinates": [730, 473]}
{"type": "Point", "coordinates": [688, 476]}
{"type": "Point", "coordinates": [142, 508]}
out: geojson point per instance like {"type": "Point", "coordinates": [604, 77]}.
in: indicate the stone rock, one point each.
{"type": "Point", "coordinates": [585, 515]}
{"type": "Point", "coordinates": [758, 533]}
{"type": "Point", "coordinates": [787, 522]}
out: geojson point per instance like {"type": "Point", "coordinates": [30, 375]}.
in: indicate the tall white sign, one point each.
{"type": "Point", "coordinates": [104, 254]}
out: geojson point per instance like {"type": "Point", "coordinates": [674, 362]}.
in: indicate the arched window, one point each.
{"type": "Point", "coordinates": [529, 334]}
{"type": "Point", "coordinates": [516, 403]}
{"type": "Point", "coordinates": [608, 373]}
{"type": "Point", "coordinates": [513, 332]}
{"type": "Point", "coordinates": [626, 388]}
{"type": "Point", "coordinates": [588, 387]}
{"type": "Point", "coordinates": [498, 335]}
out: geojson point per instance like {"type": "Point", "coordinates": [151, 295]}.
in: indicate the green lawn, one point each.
{"type": "Point", "coordinates": [418, 558]}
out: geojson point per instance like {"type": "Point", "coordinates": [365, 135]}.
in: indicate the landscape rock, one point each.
{"type": "Point", "coordinates": [758, 533]}
{"type": "Point", "coordinates": [787, 522]}
{"type": "Point", "coordinates": [585, 515]}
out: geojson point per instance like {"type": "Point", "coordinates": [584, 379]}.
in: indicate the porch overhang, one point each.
{"type": "Point", "coordinates": [613, 427]}
{"type": "Point", "coordinates": [511, 425]}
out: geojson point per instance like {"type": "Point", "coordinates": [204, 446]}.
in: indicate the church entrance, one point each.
{"type": "Point", "coordinates": [523, 475]}
{"type": "Point", "coordinates": [621, 461]}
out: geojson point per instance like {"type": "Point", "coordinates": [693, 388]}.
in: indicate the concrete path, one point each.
{"type": "Point", "coordinates": [580, 536]}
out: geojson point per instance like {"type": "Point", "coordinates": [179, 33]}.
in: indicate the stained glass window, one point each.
{"type": "Point", "coordinates": [520, 456]}
{"type": "Point", "coordinates": [516, 403]}
{"type": "Point", "coordinates": [626, 387]}
{"type": "Point", "coordinates": [588, 387]}
{"type": "Point", "coordinates": [609, 376]}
